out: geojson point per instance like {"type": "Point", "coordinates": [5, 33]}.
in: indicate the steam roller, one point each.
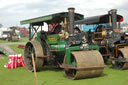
{"type": "Point", "coordinates": [122, 59]}
{"type": "Point", "coordinates": [107, 34]}
{"type": "Point", "coordinates": [77, 63]}
{"type": "Point", "coordinates": [63, 45]}
{"type": "Point", "coordinates": [88, 64]}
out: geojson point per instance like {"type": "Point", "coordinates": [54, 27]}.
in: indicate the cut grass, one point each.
{"type": "Point", "coordinates": [18, 50]}
{"type": "Point", "coordinates": [52, 76]}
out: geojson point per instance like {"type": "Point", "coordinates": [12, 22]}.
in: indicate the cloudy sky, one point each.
{"type": "Point", "coordinates": [13, 11]}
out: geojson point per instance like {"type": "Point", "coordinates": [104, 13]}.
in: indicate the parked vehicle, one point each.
{"type": "Point", "coordinates": [13, 37]}
{"type": "Point", "coordinates": [4, 33]}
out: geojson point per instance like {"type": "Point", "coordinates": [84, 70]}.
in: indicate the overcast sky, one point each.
{"type": "Point", "coordinates": [13, 11]}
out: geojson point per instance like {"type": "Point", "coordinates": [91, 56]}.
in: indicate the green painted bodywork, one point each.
{"type": "Point", "coordinates": [61, 47]}
{"type": "Point", "coordinates": [68, 53]}
{"type": "Point", "coordinates": [94, 47]}
{"type": "Point", "coordinates": [38, 37]}
{"type": "Point", "coordinates": [53, 39]}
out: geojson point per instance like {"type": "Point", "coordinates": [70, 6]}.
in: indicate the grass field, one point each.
{"type": "Point", "coordinates": [52, 76]}
{"type": "Point", "coordinates": [21, 40]}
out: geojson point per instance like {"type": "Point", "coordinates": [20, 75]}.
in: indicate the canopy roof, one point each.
{"type": "Point", "coordinates": [98, 19]}
{"type": "Point", "coordinates": [53, 17]}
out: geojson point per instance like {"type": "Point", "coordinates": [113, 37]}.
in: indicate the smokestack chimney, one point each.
{"type": "Point", "coordinates": [71, 20]}
{"type": "Point", "coordinates": [114, 18]}
{"type": "Point", "coordinates": [109, 12]}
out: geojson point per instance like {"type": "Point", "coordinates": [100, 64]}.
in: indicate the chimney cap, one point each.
{"type": "Point", "coordinates": [71, 8]}
{"type": "Point", "coordinates": [113, 10]}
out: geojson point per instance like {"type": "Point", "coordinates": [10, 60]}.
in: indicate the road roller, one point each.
{"type": "Point", "coordinates": [56, 40]}
{"type": "Point", "coordinates": [112, 43]}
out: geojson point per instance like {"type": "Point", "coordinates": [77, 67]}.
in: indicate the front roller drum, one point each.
{"type": "Point", "coordinates": [88, 64]}
{"type": "Point", "coordinates": [34, 48]}
{"type": "Point", "coordinates": [122, 62]}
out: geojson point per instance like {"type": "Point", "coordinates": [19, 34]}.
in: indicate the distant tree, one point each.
{"type": "Point", "coordinates": [1, 25]}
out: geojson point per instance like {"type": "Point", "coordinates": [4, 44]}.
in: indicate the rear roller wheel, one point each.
{"type": "Point", "coordinates": [34, 48]}
{"type": "Point", "coordinates": [122, 62]}
{"type": "Point", "coordinates": [87, 63]}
